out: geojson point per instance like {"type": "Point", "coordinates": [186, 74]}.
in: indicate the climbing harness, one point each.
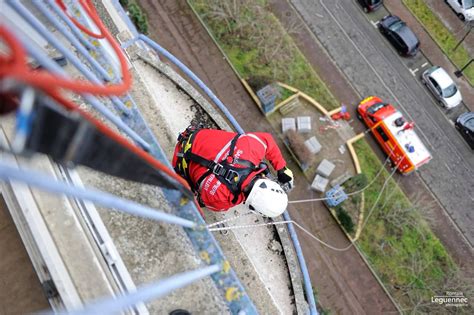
{"type": "Point", "coordinates": [231, 171]}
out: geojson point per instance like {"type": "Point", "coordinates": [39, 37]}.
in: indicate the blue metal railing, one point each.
{"type": "Point", "coordinates": [42, 181]}
{"type": "Point", "coordinates": [147, 293]}
{"type": "Point", "coordinates": [132, 124]}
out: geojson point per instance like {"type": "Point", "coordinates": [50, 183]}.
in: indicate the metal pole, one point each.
{"type": "Point", "coordinates": [146, 293]}
{"type": "Point", "coordinates": [69, 36]}
{"type": "Point", "coordinates": [458, 73]}
{"type": "Point", "coordinates": [41, 181]}
{"type": "Point", "coordinates": [71, 25]}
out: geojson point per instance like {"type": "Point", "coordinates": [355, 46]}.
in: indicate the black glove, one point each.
{"type": "Point", "coordinates": [285, 177]}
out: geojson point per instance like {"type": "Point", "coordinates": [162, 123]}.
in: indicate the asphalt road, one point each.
{"type": "Point", "coordinates": [374, 68]}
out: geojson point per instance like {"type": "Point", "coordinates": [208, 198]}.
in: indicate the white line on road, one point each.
{"type": "Point", "coordinates": [447, 167]}
{"type": "Point", "coordinates": [375, 24]}
{"type": "Point", "coordinates": [425, 64]}
{"type": "Point", "coordinates": [413, 72]}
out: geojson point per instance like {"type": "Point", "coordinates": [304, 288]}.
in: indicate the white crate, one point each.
{"type": "Point", "coordinates": [304, 123]}
{"type": "Point", "coordinates": [313, 145]}
{"type": "Point", "coordinates": [319, 183]}
{"type": "Point", "coordinates": [325, 168]}
{"type": "Point", "coordinates": [288, 124]}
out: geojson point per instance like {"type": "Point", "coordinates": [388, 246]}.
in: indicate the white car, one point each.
{"type": "Point", "coordinates": [463, 8]}
{"type": "Point", "coordinates": [442, 86]}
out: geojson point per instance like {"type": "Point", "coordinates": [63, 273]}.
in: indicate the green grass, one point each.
{"type": "Point", "coordinates": [442, 36]}
{"type": "Point", "coordinates": [272, 54]}
{"type": "Point", "coordinates": [407, 256]}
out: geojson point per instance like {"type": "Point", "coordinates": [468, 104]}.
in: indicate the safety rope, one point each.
{"type": "Point", "coordinates": [230, 219]}
{"type": "Point", "coordinates": [235, 227]}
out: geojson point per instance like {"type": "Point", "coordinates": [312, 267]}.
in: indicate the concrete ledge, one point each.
{"type": "Point", "coordinates": [187, 88]}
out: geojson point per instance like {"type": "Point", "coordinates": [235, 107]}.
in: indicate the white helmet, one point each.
{"type": "Point", "coordinates": [267, 197]}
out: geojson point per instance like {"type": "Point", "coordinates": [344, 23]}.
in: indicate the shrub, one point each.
{"type": "Point", "coordinates": [297, 145]}
{"type": "Point", "coordinates": [124, 3]}
{"type": "Point", "coordinates": [345, 219]}
{"type": "Point", "coordinates": [259, 81]}
{"type": "Point", "coordinates": [357, 182]}
{"type": "Point", "coordinates": [138, 18]}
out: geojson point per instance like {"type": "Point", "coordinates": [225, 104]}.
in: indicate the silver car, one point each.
{"type": "Point", "coordinates": [442, 87]}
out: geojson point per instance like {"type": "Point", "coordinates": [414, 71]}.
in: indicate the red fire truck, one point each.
{"type": "Point", "coordinates": [396, 135]}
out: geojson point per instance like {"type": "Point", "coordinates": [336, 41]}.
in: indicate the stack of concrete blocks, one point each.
{"type": "Point", "coordinates": [288, 124]}
{"type": "Point", "coordinates": [313, 145]}
{"type": "Point", "coordinates": [304, 124]}
{"type": "Point", "coordinates": [319, 183]}
{"type": "Point", "coordinates": [325, 168]}
{"type": "Point", "coordinates": [323, 171]}
{"type": "Point", "coordinates": [267, 96]}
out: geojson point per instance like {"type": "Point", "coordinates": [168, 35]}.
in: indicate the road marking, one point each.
{"type": "Point", "coordinates": [413, 72]}
{"type": "Point", "coordinates": [425, 64]}
{"type": "Point", "coordinates": [448, 167]}
{"type": "Point", "coordinates": [375, 24]}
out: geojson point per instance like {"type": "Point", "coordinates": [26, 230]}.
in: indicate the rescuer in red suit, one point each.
{"type": "Point", "coordinates": [225, 169]}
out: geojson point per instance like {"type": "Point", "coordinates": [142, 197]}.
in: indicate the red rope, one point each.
{"type": "Point", "coordinates": [76, 22]}
{"type": "Point", "coordinates": [14, 66]}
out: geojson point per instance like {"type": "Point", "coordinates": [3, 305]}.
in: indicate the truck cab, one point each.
{"type": "Point", "coordinates": [463, 8]}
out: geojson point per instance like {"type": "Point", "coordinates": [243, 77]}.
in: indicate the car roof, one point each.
{"type": "Point", "coordinates": [442, 77]}
{"type": "Point", "coordinates": [465, 117]}
{"type": "Point", "coordinates": [407, 36]}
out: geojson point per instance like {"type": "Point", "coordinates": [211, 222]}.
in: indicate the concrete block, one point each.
{"type": "Point", "coordinates": [325, 168]}
{"type": "Point", "coordinates": [319, 183]}
{"type": "Point", "coordinates": [287, 124]}
{"type": "Point", "coordinates": [304, 123]}
{"type": "Point", "coordinates": [313, 145]}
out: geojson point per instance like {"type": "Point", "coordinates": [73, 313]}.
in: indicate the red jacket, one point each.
{"type": "Point", "coordinates": [214, 145]}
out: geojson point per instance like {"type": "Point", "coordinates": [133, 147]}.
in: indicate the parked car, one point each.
{"type": "Point", "coordinates": [465, 125]}
{"type": "Point", "coordinates": [463, 8]}
{"type": "Point", "coordinates": [400, 35]}
{"type": "Point", "coordinates": [370, 5]}
{"type": "Point", "coordinates": [442, 86]}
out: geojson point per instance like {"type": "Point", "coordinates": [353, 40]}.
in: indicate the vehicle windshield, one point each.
{"type": "Point", "coordinates": [450, 91]}
{"type": "Point", "coordinates": [397, 25]}
{"type": "Point", "coordinates": [468, 4]}
{"type": "Point", "coordinates": [375, 108]}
